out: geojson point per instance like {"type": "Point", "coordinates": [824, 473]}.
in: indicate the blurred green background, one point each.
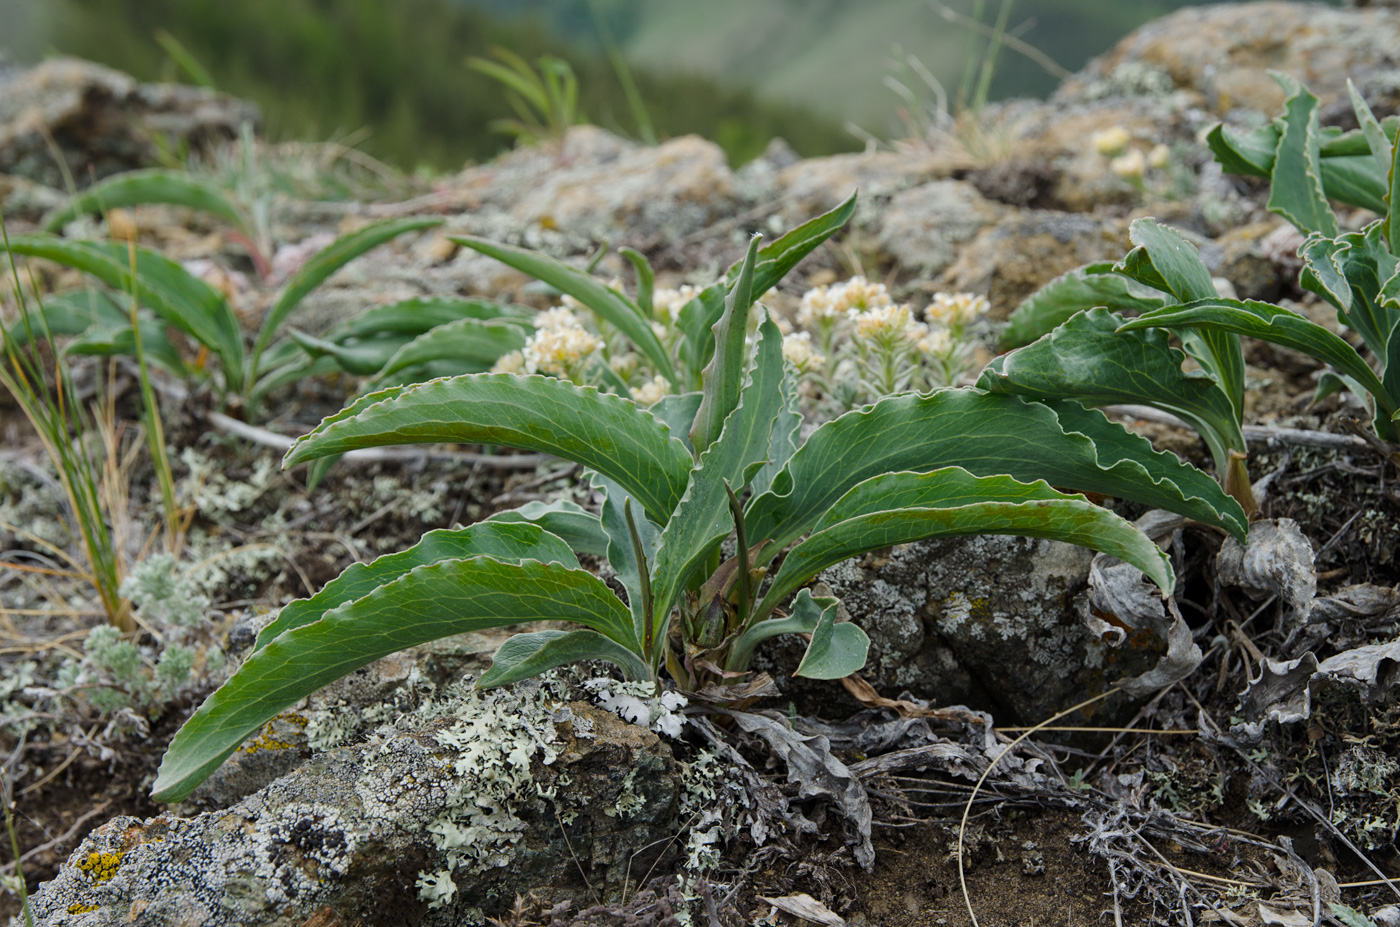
{"type": "Point", "coordinates": [739, 72]}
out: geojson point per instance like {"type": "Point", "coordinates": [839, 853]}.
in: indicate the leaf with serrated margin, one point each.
{"type": "Point", "coordinates": [469, 342]}
{"type": "Point", "coordinates": [579, 528]}
{"type": "Point", "coordinates": [837, 649]}
{"type": "Point", "coordinates": [1248, 153]}
{"type": "Point", "coordinates": [774, 263]}
{"type": "Point", "coordinates": [524, 655]}
{"type": "Point", "coordinates": [703, 518]}
{"type": "Point", "coordinates": [603, 432]}
{"type": "Point", "coordinates": [608, 304]}
{"type": "Point", "coordinates": [1167, 261]}
{"type": "Point", "coordinates": [899, 508]}
{"type": "Point", "coordinates": [1275, 325]}
{"type": "Point", "coordinates": [1063, 443]}
{"type": "Point", "coordinates": [428, 603]}
{"type": "Point", "coordinates": [139, 188]}
{"type": "Point", "coordinates": [722, 377]}
{"type": "Point", "coordinates": [1295, 188]}
{"type": "Point", "coordinates": [1082, 288]}
{"type": "Point", "coordinates": [1087, 359]}
{"type": "Point", "coordinates": [509, 543]}
{"type": "Point", "coordinates": [326, 262]}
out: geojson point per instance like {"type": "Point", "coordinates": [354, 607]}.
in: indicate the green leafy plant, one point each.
{"type": "Point", "coordinates": [703, 494]}
{"type": "Point", "coordinates": [545, 100]}
{"type": "Point", "coordinates": [180, 302]}
{"type": "Point", "coordinates": [1099, 358]}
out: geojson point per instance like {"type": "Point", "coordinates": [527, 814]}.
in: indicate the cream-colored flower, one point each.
{"type": "Point", "coordinates": [556, 319]}
{"type": "Point", "coordinates": [560, 351]}
{"type": "Point", "coordinates": [937, 343]}
{"type": "Point", "coordinates": [817, 308]}
{"type": "Point", "coordinates": [825, 304]}
{"type": "Point", "coordinates": [887, 324]}
{"type": "Point", "coordinates": [668, 303]}
{"type": "Point", "coordinates": [652, 391]}
{"type": "Point", "coordinates": [798, 351]}
{"type": "Point", "coordinates": [1130, 166]}
{"type": "Point", "coordinates": [956, 309]}
{"type": "Point", "coordinates": [514, 362]}
{"type": "Point", "coordinates": [1110, 142]}
{"type": "Point", "coordinates": [1159, 156]}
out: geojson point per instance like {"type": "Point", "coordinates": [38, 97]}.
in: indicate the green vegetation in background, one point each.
{"type": "Point", "coordinates": [319, 69]}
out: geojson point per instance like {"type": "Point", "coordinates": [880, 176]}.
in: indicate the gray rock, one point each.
{"type": "Point", "coordinates": [103, 121]}
{"type": "Point", "coordinates": [439, 819]}
{"type": "Point", "coordinates": [921, 228]}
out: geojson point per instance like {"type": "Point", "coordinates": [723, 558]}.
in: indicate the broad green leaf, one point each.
{"type": "Point", "coordinates": [1247, 153]}
{"type": "Point", "coordinates": [138, 188]}
{"type": "Point", "coordinates": [326, 262]}
{"type": "Point", "coordinates": [528, 654]}
{"type": "Point", "coordinates": [1367, 263]}
{"type": "Point", "coordinates": [70, 313]}
{"type": "Point", "coordinates": [703, 518]}
{"type": "Point", "coordinates": [360, 357]}
{"type": "Point", "coordinates": [1275, 325]}
{"type": "Point", "coordinates": [723, 376]}
{"type": "Point", "coordinates": [611, 306]}
{"type": "Point", "coordinates": [1083, 288]}
{"type": "Point", "coordinates": [509, 543]}
{"type": "Point", "coordinates": [1355, 181]}
{"type": "Point", "coordinates": [167, 289]}
{"type": "Point", "coordinates": [428, 603]}
{"type": "Point", "coordinates": [1164, 256]}
{"type": "Point", "coordinates": [415, 316]}
{"type": "Point", "coordinates": [646, 280]}
{"type": "Point", "coordinates": [621, 552]}
{"type": "Point", "coordinates": [786, 436]}
{"type": "Point", "coordinates": [774, 263]}
{"type": "Point", "coordinates": [579, 527]}
{"type": "Point", "coordinates": [677, 412]}
{"type": "Point", "coordinates": [1067, 445]}
{"type": "Point", "coordinates": [807, 613]}
{"type": "Point", "coordinates": [1295, 189]}
{"type": "Point", "coordinates": [1093, 360]}
{"type": "Point", "coordinates": [470, 342]}
{"type": "Point", "coordinates": [1323, 273]}
{"type": "Point", "coordinates": [899, 508]}
{"type": "Point", "coordinates": [836, 650]}
{"type": "Point", "coordinates": [120, 340]}
{"type": "Point", "coordinates": [603, 432]}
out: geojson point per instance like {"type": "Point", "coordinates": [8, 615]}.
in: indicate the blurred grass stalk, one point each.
{"type": "Point", "coordinates": [64, 428]}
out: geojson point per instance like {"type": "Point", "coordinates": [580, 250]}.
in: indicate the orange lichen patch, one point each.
{"type": "Point", "coordinates": [101, 866]}
{"type": "Point", "coordinates": [267, 740]}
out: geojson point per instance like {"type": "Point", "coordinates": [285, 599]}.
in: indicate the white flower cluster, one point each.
{"type": "Point", "coordinates": [560, 347]}
{"type": "Point", "coordinates": [651, 391]}
{"type": "Point", "coordinates": [956, 310]}
{"type": "Point", "coordinates": [667, 302]}
{"type": "Point", "coordinates": [825, 305]}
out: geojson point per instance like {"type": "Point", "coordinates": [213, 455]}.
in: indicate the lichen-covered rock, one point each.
{"type": "Point", "coordinates": [103, 121]}
{"type": "Point", "coordinates": [922, 227]}
{"type": "Point", "coordinates": [440, 818]}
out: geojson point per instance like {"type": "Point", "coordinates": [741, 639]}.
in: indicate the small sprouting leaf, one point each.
{"type": "Point", "coordinates": [506, 542]}
{"type": "Point", "coordinates": [1063, 443]}
{"type": "Point", "coordinates": [139, 188]}
{"type": "Point", "coordinates": [721, 378]}
{"type": "Point", "coordinates": [428, 603]}
{"type": "Point", "coordinates": [609, 305]}
{"type": "Point", "coordinates": [1080, 289]}
{"type": "Point", "coordinates": [1295, 190]}
{"type": "Point", "coordinates": [837, 649]}
{"type": "Point", "coordinates": [898, 508]}
{"type": "Point", "coordinates": [579, 528]}
{"type": "Point", "coordinates": [1381, 150]}
{"type": "Point", "coordinates": [1323, 273]}
{"type": "Point", "coordinates": [601, 431]}
{"type": "Point", "coordinates": [787, 434]}
{"type": "Point", "coordinates": [524, 655]}
{"type": "Point", "coordinates": [1093, 360]}
{"type": "Point", "coordinates": [326, 262]}
{"type": "Point", "coordinates": [1247, 153]}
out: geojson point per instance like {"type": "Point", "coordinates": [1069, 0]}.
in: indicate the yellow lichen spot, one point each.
{"type": "Point", "coordinates": [101, 866]}
{"type": "Point", "coordinates": [78, 908]}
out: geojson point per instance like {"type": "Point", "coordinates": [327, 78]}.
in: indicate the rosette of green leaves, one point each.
{"type": "Point", "coordinates": [684, 483]}
{"type": "Point", "coordinates": [1091, 357]}
{"type": "Point", "coordinates": [183, 303]}
{"type": "Point", "coordinates": [1308, 165]}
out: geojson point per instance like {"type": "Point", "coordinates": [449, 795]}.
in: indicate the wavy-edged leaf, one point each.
{"type": "Point", "coordinates": [530, 653]}
{"type": "Point", "coordinates": [703, 518]}
{"type": "Point", "coordinates": [1067, 445]}
{"type": "Point", "coordinates": [723, 376]}
{"type": "Point", "coordinates": [428, 603]}
{"type": "Point", "coordinates": [1323, 271]}
{"type": "Point", "coordinates": [1295, 189]}
{"type": "Point", "coordinates": [774, 262]}
{"type": "Point", "coordinates": [139, 188]}
{"type": "Point", "coordinates": [1367, 264]}
{"type": "Point", "coordinates": [579, 528]}
{"type": "Point", "coordinates": [609, 305]}
{"type": "Point", "coordinates": [1275, 325]}
{"type": "Point", "coordinates": [1097, 360]}
{"type": "Point", "coordinates": [167, 289]}
{"type": "Point", "coordinates": [326, 262]}
{"type": "Point", "coordinates": [1083, 288]}
{"type": "Point", "coordinates": [471, 343]}
{"type": "Point", "coordinates": [507, 542]}
{"type": "Point", "coordinates": [601, 431]}
{"type": "Point", "coordinates": [899, 508]}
